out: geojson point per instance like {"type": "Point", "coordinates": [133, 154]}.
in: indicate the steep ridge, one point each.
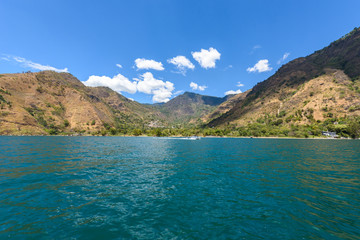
{"type": "Point", "coordinates": [325, 83]}
{"type": "Point", "coordinates": [226, 106]}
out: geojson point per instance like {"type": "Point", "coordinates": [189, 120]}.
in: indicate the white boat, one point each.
{"type": "Point", "coordinates": [193, 138]}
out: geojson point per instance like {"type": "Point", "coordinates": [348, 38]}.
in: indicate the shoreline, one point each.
{"type": "Point", "coordinates": [245, 137]}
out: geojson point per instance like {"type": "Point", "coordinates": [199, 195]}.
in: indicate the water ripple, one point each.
{"type": "Point", "coordinates": [149, 188]}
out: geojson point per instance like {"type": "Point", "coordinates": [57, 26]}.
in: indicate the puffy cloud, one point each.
{"type": "Point", "coordinates": [260, 66]}
{"type": "Point", "coordinates": [162, 95]}
{"type": "Point", "coordinates": [118, 83]}
{"type": "Point", "coordinates": [181, 63]}
{"type": "Point", "coordinates": [239, 84]}
{"type": "Point", "coordinates": [231, 92]}
{"type": "Point", "coordinates": [161, 90]}
{"type": "Point", "coordinates": [119, 65]}
{"type": "Point", "coordinates": [30, 64]}
{"type": "Point", "coordinates": [206, 58]}
{"type": "Point", "coordinates": [195, 86]}
{"type": "Point", "coordinates": [146, 83]}
{"type": "Point", "coordinates": [142, 63]}
{"type": "Point", "coordinates": [284, 57]}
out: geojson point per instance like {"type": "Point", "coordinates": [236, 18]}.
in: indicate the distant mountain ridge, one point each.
{"type": "Point", "coordinates": [189, 107]}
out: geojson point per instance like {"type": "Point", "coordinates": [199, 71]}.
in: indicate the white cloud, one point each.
{"type": "Point", "coordinates": [233, 92]}
{"type": "Point", "coordinates": [118, 83]}
{"type": "Point", "coordinates": [119, 65]}
{"type": "Point", "coordinates": [30, 64]}
{"type": "Point", "coordinates": [195, 86]}
{"type": "Point", "coordinates": [178, 92]}
{"type": "Point", "coordinates": [142, 63]}
{"type": "Point", "coordinates": [202, 88]}
{"type": "Point", "coordinates": [239, 84]}
{"type": "Point", "coordinates": [255, 48]}
{"type": "Point", "coordinates": [260, 66]}
{"type": "Point", "coordinates": [181, 63]}
{"type": "Point", "coordinates": [206, 58]}
{"type": "Point", "coordinates": [162, 95]}
{"type": "Point", "coordinates": [284, 57]}
{"type": "Point", "coordinates": [228, 67]}
{"type": "Point", "coordinates": [5, 59]}
{"type": "Point", "coordinates": [161, 90]}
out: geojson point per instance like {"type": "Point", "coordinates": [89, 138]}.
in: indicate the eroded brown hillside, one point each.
{"type": "Point", "coordinates": [44, 102]}
{"type": "Point", "coordinates": [318, 86]}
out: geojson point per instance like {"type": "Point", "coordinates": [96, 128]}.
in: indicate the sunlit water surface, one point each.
{"type": "Point", "coordinates": [154, 188]}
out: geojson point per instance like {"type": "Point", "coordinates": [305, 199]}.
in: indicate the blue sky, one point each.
{"type": "Point", "coordinates": [208, 47]}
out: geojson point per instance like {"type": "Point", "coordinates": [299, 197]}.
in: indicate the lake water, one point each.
{"type": "Point", "coordinates": [155, 188]}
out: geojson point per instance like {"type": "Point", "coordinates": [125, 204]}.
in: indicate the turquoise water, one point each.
{"type": "Point", "coordinates": [154, 188]}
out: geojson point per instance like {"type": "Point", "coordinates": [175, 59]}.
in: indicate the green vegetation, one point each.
{"type": "Point", "coordinates": [267, 126]}
{"type": "Point", "coordinates": [2, 99]}
{"type": "Point", "coordinates": [58, 110]}
{"type": "Point", "coordinates": [40, 89]}
{"type": "Point", "coordinates": [354, 108]}
{"type": "Point", "coordinates": [66, 123]}
{"type": "Point", "coordinates": [4, 114]}
{"type": "Point", "coordinates": [5, 91]}
{"type": "Point", "coordinates": [47, 122]}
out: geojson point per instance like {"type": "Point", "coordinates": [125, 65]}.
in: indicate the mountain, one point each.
{"type": "Point", "coordinates": [188, 109]}
{"type": "Point", "coordinates": [49, 102]}
{"type": "Point", "coordinates": [320, 91]}
{"type": "Point", "coordinates": [322, 86]}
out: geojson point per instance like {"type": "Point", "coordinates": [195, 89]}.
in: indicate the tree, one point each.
{"type": "Point", "coordinates": [66, 123]}
{"type": "Point", "coordinates": [354, 128]}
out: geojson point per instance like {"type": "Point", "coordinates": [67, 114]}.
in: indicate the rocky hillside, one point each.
{"type": "Point", "coordinates": [50, 103]}
{"type": "Point", "coordinates": [320, 86]}
{"type": "Point", "coordinates": [53, 103]}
